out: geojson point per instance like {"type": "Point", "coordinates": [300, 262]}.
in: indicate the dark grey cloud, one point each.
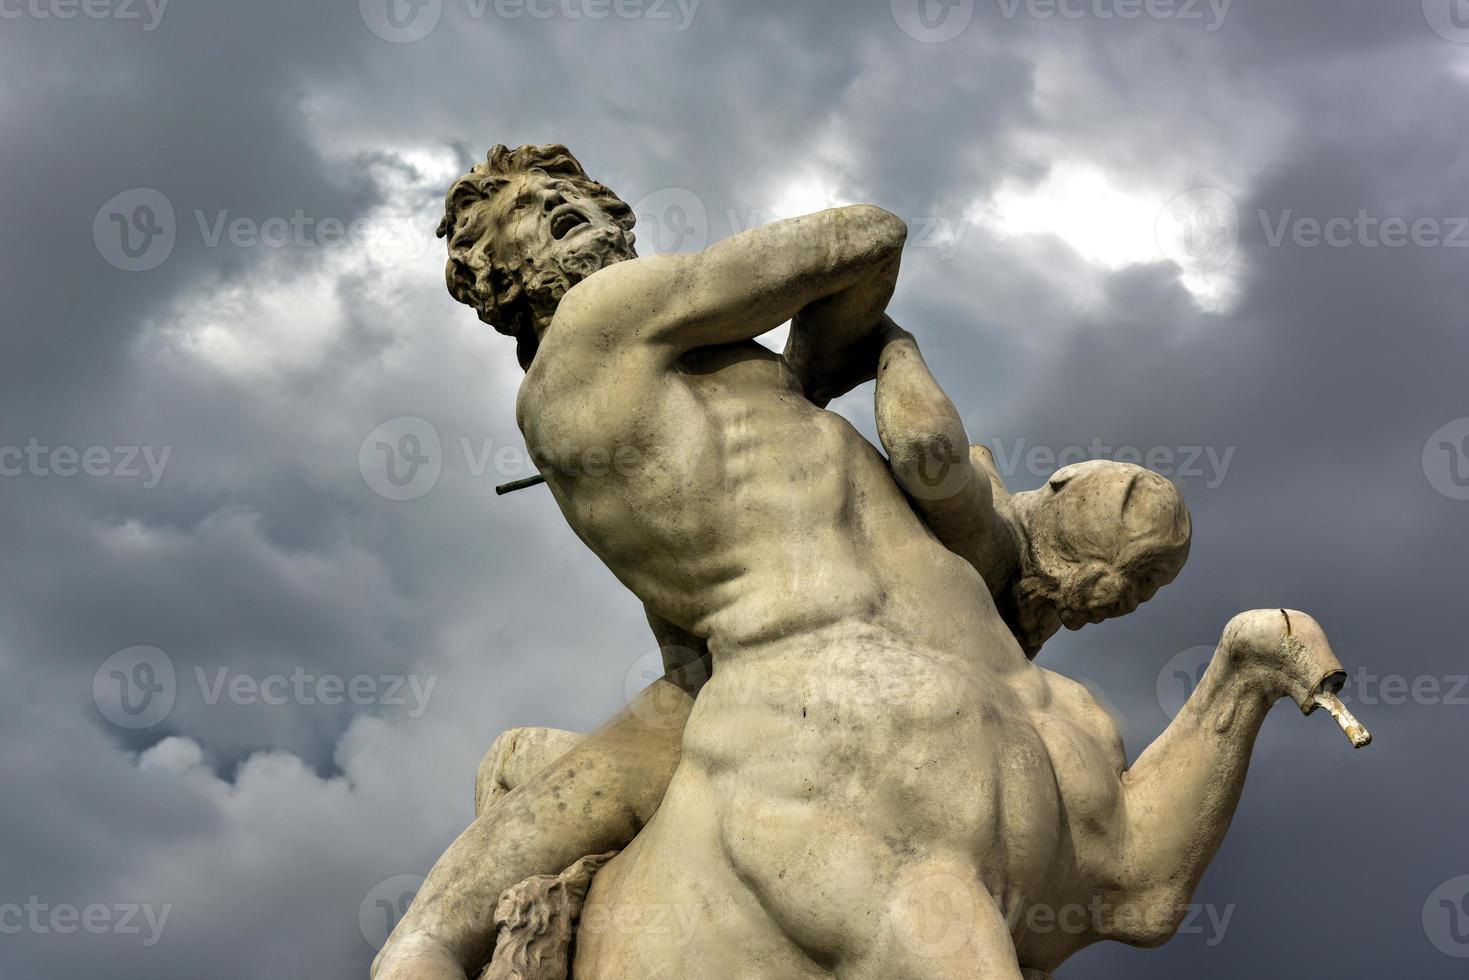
{"type": "Point", "coordinates": [1319, 373]}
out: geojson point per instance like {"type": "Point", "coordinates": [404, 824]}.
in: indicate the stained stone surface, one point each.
{"type": "Point", "coordinates": [855, 765]}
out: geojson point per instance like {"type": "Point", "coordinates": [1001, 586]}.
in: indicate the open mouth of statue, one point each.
{"type": "Point", "coordinates": [566, 219]}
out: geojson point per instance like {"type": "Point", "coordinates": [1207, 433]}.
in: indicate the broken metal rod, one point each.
{"type": "Point", "coordinates": [515, 485]}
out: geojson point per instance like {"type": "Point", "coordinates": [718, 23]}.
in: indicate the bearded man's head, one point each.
{"type": "Point", "coordinates": [523, 228]}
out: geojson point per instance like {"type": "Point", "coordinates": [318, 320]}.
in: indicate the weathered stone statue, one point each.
{"type": "Point", "coordinates": [874, 780]}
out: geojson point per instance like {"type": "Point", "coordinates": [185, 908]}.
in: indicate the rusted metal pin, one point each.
{"type": "Point", "coordinates": [515, 485]}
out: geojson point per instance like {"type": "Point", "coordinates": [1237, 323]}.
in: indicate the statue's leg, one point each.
{"type": "Point", "coordinates": [515, 758]}
{"type": "Point", "coordinates": [593, 799]}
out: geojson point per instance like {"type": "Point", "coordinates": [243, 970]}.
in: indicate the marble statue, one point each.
{"type": "Point", "coordinates": [854, 768]}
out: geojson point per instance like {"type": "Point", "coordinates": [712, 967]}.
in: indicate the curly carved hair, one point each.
{"type": "Point", "coordinates": [496, 291]}
{"type": "Point", "coordinates": [1082, 524]}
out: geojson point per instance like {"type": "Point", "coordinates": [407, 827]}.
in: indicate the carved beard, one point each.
{"type": "Point", "coordinates": [545, 287]}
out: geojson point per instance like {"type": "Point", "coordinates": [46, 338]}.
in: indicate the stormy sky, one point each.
{"type": "Point", "coordinates": [249, 669]}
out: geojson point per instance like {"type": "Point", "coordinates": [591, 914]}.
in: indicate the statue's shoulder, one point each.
{"type": "Point", "coordinates": [607, 317]}
{"type": "Point", "coordinates": [598, 341]}
{"type": "Point", "coordinates": [624, 290]}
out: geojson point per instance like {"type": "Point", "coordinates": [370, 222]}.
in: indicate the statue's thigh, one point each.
{"type": "Point", "coordinates": [670, 907]}
{"type": "Point", "coordinates": [940, 923]}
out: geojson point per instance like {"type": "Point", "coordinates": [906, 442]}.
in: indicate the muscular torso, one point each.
{"type": "Point", "coordinates": [868, 707]}
{"type": "Point", "coordinates": [741, 512]}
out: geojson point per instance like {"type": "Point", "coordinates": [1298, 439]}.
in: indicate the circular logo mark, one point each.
{"type": "Point", "coordinates": [135, 230]}
{"type": "Point", "coordinates": [937, 914]}
{"type": "Point", "coordinates": [135, 688]}
{"type": "Point", "coordinates": [663, 706]}
{"type": "Point", "coordinates": [942, 467]}
{"type": "Point", "coordinates": [400, 21]}
{"type": "Point", "coordinates": [402, 458]}
{"type": "Point", "coordinates": [672, 219]}
{"type": "Point", "coordinates": [933, 21]}
{"type": "Point", "coordinates": [1180, 676]}
{"type": "Point", "coordinates": [1199, 229]}
{"type": "Point", "coordinates": [1446, 917]}
{"type": "Point", "coordinates": [384, 906]}
{"type": "Point", "coordinates": [1446, 459]}
{"type": "Point", "coordinates": [1448, 18]}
